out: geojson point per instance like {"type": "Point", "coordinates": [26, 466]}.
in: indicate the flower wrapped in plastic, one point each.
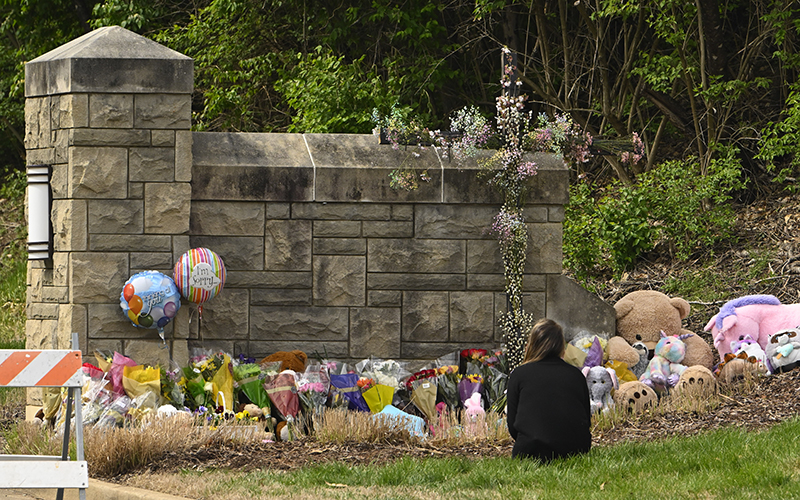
{"type": "Point", "coordinates": [344, 387]}
{"type": "Point", "coordinates": [469, 384]}
{"type": "Point", "coordinates": [248, 379]}
{"type": "Point", "coordinates": [313, 386]}
{"type": "Point", "coordinates": [447, 385]}
{"type": "Point", "coordinates": [282, 391]}
{"type": "Point", "coordinates": [495, 383]}
{"type": "Point", "coordinates": [385, 372]}
{"type": "Point", "coordinates": [423, 395]}
{"type": "Point", "coordinates": [209, 382]}
{"type": "Point", "coordinates": [171, 391]}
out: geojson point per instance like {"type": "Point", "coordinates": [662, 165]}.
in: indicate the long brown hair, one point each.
{"type": "Point", "coordinates": [546, 339]}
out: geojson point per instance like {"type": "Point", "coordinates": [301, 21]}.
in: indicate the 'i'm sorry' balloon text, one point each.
{"type": "Point", "coordinates": [200, 275]}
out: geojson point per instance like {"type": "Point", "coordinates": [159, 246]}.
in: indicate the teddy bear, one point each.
{"type": "Point", "coordinates": [290, 360]}
{"type": "Point", "coordinates": [474, 407]}
{"type": "Point", "coordinates": [665, 369]}
{"type": "Point", "coordinates": [635, 397]}
{"type": "Point", "coordinates": [756, 315]}
{"type": "Point", "coordinates": [600, 381]}
{"type": "Point", "coordinates": [697, 381]}
{"type": "Point", "coordinates": [643, 314]}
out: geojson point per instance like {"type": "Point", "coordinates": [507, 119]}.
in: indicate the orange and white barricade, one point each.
{"type": "Point", "coordinates": [47, 368]}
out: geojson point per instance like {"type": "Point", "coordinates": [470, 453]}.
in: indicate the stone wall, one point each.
{"type": "Point", "coordinates": [322, 255]}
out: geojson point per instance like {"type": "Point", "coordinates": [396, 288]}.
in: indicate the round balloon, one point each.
{"type": "Point", "coordinates": [199, 274]}
{"type": "Point", "coordinates": [147, 297]}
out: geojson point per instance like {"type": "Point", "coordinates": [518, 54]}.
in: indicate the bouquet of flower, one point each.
{"type": "Point", "coordinates": [248, 379]}
{"type": "Point", "coordinates": [313, 386]}
{"type": "Point", "coordinates": [447, 385]}
{"type": "Point", "coordinates": [171, 392]}
{"type": "Point", "coordinates": [208, 380]}
{"type": "Point", "coordinates": [468, 385]}
{"type": "Point", "coordinates": [345, 387]}
{"type": "Point", "coordinates": [423, 395]}
{"type": "Point", "coordinates": [282, 390]}
{"type": "Point", "coordinates": [388, 372]}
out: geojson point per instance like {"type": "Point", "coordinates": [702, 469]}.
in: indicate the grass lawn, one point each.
{"type": "Point", "coordinates": [727, 464]}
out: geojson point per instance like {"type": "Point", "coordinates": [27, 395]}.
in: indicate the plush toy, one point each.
{"type": "Point", "coordinates": [644, 359]}
{"type": "Point", "coordinates": [756, 315]}
{"type": "Point", "coordinates": [642, 315]}
{"type": "Point", "coordinates": [665, 369]}
{"type": "Point", "coordinates": [735, 368]}
{"type": "Point", "coordinates": [600, 381]}
{"type": "Point", "coordinates": [619, 350]}
{"type": "Point", "coordinates": [783, 350]}
{"type": "Point", "coordinates": [635, 397]}
{"type": "Point", "coordinates": [751, 348]}
{"type": "Point", "coordinates": [294, 360]}
{"type": "Point", "coordinates": [697, 381]}
{"type": "Point", "coordinates": [474, 407]}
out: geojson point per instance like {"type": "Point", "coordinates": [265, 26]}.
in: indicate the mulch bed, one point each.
{"type": "Point", "coordinates": [757, 406]}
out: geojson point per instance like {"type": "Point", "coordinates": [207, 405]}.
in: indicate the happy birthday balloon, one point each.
{"type": "Point", "coordinates": [150, 300]}
{"type": "Point", "coordinates": [199, 274]}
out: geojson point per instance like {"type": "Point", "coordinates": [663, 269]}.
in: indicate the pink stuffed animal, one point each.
{"type": "Point", "coordinates": [474, 407]}
{"type": "Point", "coordinates": [756, 315]}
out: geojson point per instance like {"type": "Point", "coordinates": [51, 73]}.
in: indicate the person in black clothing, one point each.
{"type": "Point", "coordinates": [548, 400]}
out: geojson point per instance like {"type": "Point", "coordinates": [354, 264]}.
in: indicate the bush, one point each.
{"type": "Point", "coordinates": [674, 204]}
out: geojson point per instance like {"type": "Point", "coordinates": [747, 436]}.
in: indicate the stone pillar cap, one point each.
{"type": "Point", "coordinates": [110, 60]}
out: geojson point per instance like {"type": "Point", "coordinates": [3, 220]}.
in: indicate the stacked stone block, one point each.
{"type": "Point", "coordinates": [111, 113]}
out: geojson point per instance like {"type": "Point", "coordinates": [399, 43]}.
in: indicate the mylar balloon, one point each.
{"type": "Point", "coordinates": [199, 275]}
{"type": "Point", "coordinates": [150, 300]}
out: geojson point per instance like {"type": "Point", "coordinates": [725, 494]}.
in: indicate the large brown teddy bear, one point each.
{"type": "Point", "coordinates": [290, 360]}
{"type": "Point", "coordinates": [644, 314]}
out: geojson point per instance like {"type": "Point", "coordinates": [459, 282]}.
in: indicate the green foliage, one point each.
{"type": "Point", "coordinates": [13, 259]}
{"type": "Point", "coordinates": [673, 204]}
{"type": "Point", "coordinates": [780, 141]}
{"type": "Point", "coordinates": [329, 95]}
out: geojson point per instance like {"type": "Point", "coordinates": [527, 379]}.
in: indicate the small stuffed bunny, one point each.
{"type": "Point", "coordinates": [474, 407]}
{"type": "Point", "coordinates": [600, 381]}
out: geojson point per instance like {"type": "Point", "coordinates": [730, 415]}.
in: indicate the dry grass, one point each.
{"type": "Point", "coordinates": [342, 426]}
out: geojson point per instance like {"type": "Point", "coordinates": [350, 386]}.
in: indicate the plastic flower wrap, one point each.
{"type": "Point", "coordinates": [248, 379]}
{"type": "Point", "coordinates": [387, 375]}
{"type": "Point", "coordinates": [495, 383]}
{"type": "Point", "coordinates": [209, 382]}
{"type": "Point", "coordinates": [142, 384]}
{"type": "Point", "coordinates": [282, 391]}
{"type": "Point", "coordinates": [171, 391]}
{"type": "Point", "coordinates": [114, 414]}
{"type": "Point", "coordinates": [344, 387]}
{"type": "Point", "coordinates": [468, 385]}
{"type": "Point", "coordinates": [423, 395]}
{"type": "Point", "coordinates": [388, 372]}
{"type": "Point", "coordinates": [447, 385]}
{"type": "Point", "coordinates": [313, 386]}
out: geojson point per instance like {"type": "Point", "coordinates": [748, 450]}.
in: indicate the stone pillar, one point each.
{"type": "Point", "coordinates": [111, 112]}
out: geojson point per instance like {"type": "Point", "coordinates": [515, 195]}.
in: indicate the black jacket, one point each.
{"type": "Point", "coordinates": [548, 410]}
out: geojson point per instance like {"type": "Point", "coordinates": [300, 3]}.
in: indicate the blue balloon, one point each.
{"type": "Point", "coordinates": [146, 295]}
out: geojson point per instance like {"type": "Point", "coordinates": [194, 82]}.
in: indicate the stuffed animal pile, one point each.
{"type": "Point", "coordinates": [652, 355]}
